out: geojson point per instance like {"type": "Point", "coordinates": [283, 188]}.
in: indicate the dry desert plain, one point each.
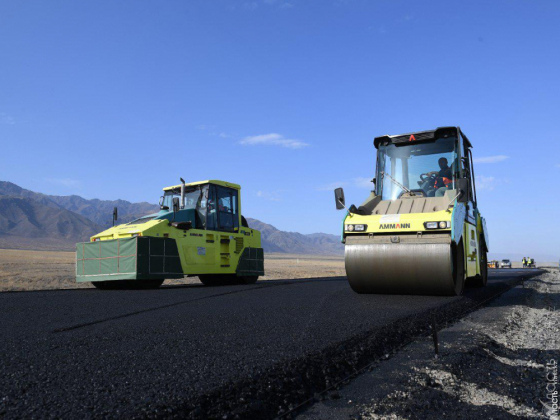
{"type": "Point", "coordinates": [37, 270]}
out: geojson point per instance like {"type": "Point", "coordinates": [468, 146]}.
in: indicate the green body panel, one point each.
{"type": "Point", "coordinates": [251, 262]}
{"type": "Point", "coordinates": [138, 258]}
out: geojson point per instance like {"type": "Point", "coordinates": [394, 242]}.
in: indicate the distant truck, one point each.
{"type": "Point", "coordinates": [199, 231]}
{"type": "Point", "coordinates": [493, 264]}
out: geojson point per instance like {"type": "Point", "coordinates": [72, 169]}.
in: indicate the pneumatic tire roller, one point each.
{"type": "Point", "coordinates": [199, 231]}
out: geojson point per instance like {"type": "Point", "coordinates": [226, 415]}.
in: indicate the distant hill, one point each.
{"type": "Point", "coordinates": [98, 211]}
{"type": "Point", "coordinates": [26, 223]}
{"type": "Point", "coordinates": [274, 240]}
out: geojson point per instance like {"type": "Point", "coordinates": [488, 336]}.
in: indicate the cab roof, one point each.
{"type": "Point", "coordinates": [210, 181]}
{"type": "Point", "coordinates": [421, 136]}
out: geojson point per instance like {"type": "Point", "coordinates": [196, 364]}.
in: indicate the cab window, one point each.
{"type": "Point", "coordinates": [227, 209]}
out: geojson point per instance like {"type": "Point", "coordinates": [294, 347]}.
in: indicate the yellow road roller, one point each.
{"type": "Point", "coordinates": [199, 231]}
{"type": "Point", "coordinates": [420, 230]}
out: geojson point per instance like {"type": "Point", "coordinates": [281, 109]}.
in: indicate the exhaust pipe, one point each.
{"type": "Point", "coordinates": [182, 193]}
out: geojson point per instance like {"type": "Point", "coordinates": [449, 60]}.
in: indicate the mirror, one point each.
{"type": "Point", "coordinates": [374, 181]}
{"type": "Point", "coordinates": [339, 198]}
{"type": "Point", "coordinates": [161, 206]}
{"type": "Point", "coordinates": [176, 204]}
{"type": "Point", "coordinates": [463, 186]}
{"type": "Point", "coordinates": [115, 215]}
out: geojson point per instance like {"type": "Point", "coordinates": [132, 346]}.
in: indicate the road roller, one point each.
{"type": "Point", "coordinates": [198, 231]}
{"type": "Point", "coordinates": [420, 231]}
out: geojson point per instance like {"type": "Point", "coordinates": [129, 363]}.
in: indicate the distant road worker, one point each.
{"type": "Point", "coordinates": [524, 260]}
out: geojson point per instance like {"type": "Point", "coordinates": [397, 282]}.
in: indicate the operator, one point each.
{"type": "Point", "coordinates": [444, 177]}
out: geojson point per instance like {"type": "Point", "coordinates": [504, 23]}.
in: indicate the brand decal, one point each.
{"type": "Point", "coordinates": [201, 250]}
{"type": "Point", "coordinates": [196, 234]}
{"type": "Point", "coordinates": [394, 226]}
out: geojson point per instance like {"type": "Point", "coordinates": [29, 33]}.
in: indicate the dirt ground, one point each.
{"type": "Point", "coordinates": [37, 270]}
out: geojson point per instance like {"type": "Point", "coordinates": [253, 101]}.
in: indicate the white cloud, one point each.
{"type": "Point", "coordinates": [65, 182]}
{"type": "Point", "coordinates": [269, 195]}
{"type": "Point", "coordinates": [273, 139]}
{"type": "Point", "coordinates": [487, 182]}
{"type": "Point", "coordinates": [359, 182]}
{"type": "Point", "coordinates": [6, 119]}
{"type": "Point", "coordinates": [250, 5]}
{"type": "Point", "coordinates": [491, 159]}
{"type": "Point", "coordinates": [362, 182]}
{"type": "Point", "coordinates": [281, 4]}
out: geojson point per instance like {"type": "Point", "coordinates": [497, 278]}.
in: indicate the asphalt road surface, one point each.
{"type": "Point", "coordinates": [195, 351]}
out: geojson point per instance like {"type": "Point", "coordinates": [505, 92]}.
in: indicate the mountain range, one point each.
{"type": "Point", "coordinates": [32, 220]}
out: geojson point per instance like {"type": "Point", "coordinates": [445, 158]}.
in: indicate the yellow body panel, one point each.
{"type": "Point", "coordinates": [412, 222]}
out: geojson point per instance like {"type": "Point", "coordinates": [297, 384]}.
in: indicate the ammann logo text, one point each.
{"type": "Point", "coordinates": [395, 226]}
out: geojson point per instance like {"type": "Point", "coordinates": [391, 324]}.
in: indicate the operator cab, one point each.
{"type": "Point", "coordinates": [205, 205]}
{"type": "Point", "coordinates": [427, 169]}
{"type": "Point", "coordinates": [435, 165]}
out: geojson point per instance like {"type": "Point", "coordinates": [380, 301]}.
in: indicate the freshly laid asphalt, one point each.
{"type": "Point", "coordinates": [196, 352]}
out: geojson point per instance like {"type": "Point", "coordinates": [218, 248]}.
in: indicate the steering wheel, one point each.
{"type": "Point", "coordinates": [428, 176]}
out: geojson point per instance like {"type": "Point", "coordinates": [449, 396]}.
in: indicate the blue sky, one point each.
{"type": "Point", "coordinates": [118, 99]}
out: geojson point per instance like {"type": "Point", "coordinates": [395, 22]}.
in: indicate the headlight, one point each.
{"type": "Point", "coordinates": [437, 225]}
{"type": "Point", "coordinates": [357, 228]}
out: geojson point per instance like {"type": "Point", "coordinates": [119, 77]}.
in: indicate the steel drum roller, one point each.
{"type": "Point", "coordinates": [401, 268]}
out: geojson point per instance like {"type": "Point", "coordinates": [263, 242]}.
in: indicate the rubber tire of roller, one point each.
{"type": "Point", "coordinates": [217, 279]}
{"type": "Point", "coordinates": [128, 284]}
{"type": "Point", "coordinates": [459, 268]}
{"type": "Point", "coordinates": [480, 280]}
{"type": "Point", "coordinates": [247, 279]}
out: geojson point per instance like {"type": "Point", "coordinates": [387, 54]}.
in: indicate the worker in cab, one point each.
{"type": "Point", "coordinates": [438, 181]}
{"type": "Point", "coordinates": [444, 178]}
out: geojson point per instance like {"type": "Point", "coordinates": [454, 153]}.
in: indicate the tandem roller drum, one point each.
{"type": "Point", "coordinates": [404, 268]}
